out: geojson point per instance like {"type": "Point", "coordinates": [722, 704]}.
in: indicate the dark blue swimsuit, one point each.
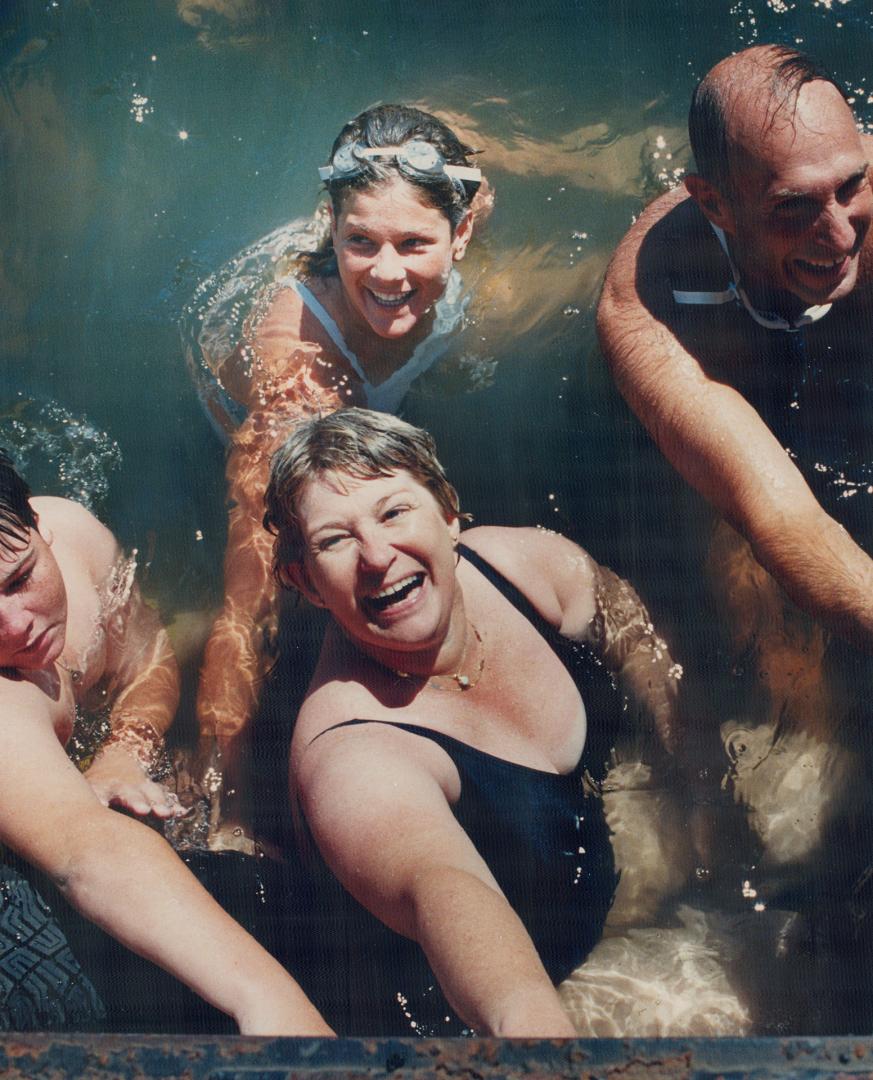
{"type": "Point", "coordinates": [542, 837]}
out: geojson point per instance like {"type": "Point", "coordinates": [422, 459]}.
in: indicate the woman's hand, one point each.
{"type": "Point", "coordinates": [118, 779]}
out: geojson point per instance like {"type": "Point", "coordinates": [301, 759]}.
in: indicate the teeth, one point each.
{"type": "Point", "coordinates": [823, 264]}
{"type": "Point", "coordinates": [390, 590]}
{"type": "Point", "coordinates": [395, 299]}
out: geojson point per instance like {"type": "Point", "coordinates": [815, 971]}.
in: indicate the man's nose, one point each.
{"type": "Point", "coordinates": [836, 228]}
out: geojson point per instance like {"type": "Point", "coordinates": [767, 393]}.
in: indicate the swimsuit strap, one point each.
{"type": "Point", "coordinates": [518, 600]}
{"type": "Point", "coordinates": [515, 597]}
{"type": "Point", "coordinates": [327, 321]}
{"type": "Point", "coordinates": [735, 292]}
{"type": "Point", "coordinates": [461, 752]}
{"type": "Point", "coordinates": [388, 394]}
{"type": "Point", "coordinates": [448, 313]}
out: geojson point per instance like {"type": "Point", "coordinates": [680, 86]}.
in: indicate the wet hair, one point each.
{"type": "Point", "coordinates": [781, 71]}
{"type": "Point", "coordinates": [393, 125]}
{"type": "Point", "coordinates": [358, 443]}
{"type": "Point", "coordinates": [16, 514]}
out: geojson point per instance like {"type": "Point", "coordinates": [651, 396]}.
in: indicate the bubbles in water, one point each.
{"type": "Point", "coordinates": [140, 107]}
{"type": "Point", "coordinates": [59, 453]}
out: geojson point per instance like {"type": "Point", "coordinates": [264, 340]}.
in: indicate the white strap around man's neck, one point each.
{"type": "Point", "coordinates": [735, 292]}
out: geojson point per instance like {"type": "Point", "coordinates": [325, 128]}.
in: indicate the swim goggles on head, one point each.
{"type": "Point", "coordinates": [415, 158]}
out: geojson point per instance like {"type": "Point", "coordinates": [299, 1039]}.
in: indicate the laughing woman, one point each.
{"type": "Point", "coordinates": [440, 753]}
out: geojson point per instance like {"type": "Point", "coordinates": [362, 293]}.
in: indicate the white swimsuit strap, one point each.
{"type": "Point", "coordinates": [388, 395]}
{"type": "Point", "coordinates": [735, 292]}
{"type": "Point", "coordinates": [327, 321]}
{"type": "Point", "coordinates": [448, 313]}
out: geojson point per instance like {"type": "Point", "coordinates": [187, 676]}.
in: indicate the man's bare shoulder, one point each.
{"type": "Point", "coordinates": [28, 705]}
{"type": "Point", "coordinates": [75, 533]}
{"type": "Point", "coordinates": [670, 238]}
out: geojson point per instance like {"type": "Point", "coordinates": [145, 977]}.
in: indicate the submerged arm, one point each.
{"type": "Point", "coordinates": [142, 681]}
{"type": "Point", "coordinates": [285, 391]}
{"type": "Point", "coordinates": [622, 634]}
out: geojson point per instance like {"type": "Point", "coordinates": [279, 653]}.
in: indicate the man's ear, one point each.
{"type": "Point", "coordinates": [455, 529]}
{"type": "Point", "coordinates": [45, 532]}
{"type": "Point", "coordinates": [711, 201]}
{"type": "Point", "coordinates": [296, 576]}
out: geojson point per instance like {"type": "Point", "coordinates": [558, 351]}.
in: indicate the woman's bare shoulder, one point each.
{"type": "Point", "coordinates": [547, 568]}
{"type": "Point", "coordinates": [277, 319]}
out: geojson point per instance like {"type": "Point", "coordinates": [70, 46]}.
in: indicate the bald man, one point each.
{"type": "Point", "coordinates": [736, 319]}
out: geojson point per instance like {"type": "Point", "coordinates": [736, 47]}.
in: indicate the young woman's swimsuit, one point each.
{"type": "Point", "coordinates": [543, 837]}
{"type": "Point", "coordinates": [387, 396]}
{"type": "Point", "coordinates": [212, 323]}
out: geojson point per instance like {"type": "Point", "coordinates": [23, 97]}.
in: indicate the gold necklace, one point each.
{"type": "Point", "coordinates": [74, 673]}
{"type": "Point", "coordinates": [459, 681]}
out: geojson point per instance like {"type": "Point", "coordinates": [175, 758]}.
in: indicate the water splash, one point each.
{"type": "Point", "coordinates": [58, 452]}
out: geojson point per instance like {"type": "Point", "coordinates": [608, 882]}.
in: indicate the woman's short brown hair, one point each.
{"type": "Point", "coordinates": [359, 443]}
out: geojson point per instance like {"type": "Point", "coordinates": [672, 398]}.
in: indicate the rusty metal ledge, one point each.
{"type": "Point", "coordinates": [239, 1058]}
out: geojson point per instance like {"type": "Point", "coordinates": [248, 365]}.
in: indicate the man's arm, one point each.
{"type": "Point", "coordinates": [142, 682]}
{"type": "Point", "coordinates": [722, 447]}
{"type": "Point", "coordinates": [377, 804]}
{"type": "Point", "coordinates": [126, 878]}
{"type": "Point", "coordinates": [132, 661]}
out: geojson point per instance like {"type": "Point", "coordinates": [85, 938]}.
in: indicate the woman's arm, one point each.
{"type": "Point", "coordinates": [378, 806]}
{"type": "Point", "coordinates": [238, 654]}
{"type": "Point", "coordinates": [127, 879]}
{"type": "Point", "coordinates": [589, 603]}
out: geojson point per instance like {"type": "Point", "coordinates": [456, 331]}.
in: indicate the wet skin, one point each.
{"type": "Point", "coordinates": [380, 556]}
{"type": "Point", "coordinates": [33, 606]}
{"type": "Point", "coordinates": [801, 203]}
{"type": "Point", "coordinates": [394, 255]}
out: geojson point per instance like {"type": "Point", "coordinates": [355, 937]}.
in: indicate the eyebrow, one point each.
{"type": "Point", "coordinates": [377, 508]}
{"type": "Point", "coordinates": [352, 225]}
{"type": "Point", "coordinates": [790, 193]}
{"type": "Point", "coordinates": [17, 567]}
